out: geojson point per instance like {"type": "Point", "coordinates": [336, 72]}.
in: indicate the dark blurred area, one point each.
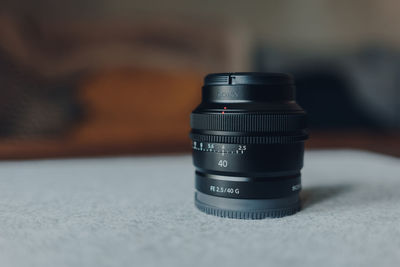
{"type": "Point", "coordinates": [93, 78]}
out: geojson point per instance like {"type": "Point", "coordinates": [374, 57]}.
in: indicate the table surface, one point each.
{"type": "Point", "coordinates": [138, 211]}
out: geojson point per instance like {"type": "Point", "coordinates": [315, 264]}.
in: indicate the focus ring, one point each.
{"type": "Point", "coordinates": [256, 140]}
{"type": "Point", "coordinates": [248, 122]}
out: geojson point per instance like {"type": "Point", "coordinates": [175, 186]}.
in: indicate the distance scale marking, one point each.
{"type": "Point", "coordinates": [219, 148]}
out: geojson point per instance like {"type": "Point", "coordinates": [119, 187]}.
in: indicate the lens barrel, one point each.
{"type": "Point", "coordinates": [248, 138]}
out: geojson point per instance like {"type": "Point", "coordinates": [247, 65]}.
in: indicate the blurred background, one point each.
{"type": "Point", "coordinates": [94, 78]}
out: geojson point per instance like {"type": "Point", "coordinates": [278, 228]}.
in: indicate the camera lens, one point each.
{"type": "Point", "coordinates": [248, 138]}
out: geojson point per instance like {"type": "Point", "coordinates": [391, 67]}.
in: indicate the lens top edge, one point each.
{"type": "Point", "coordinates": [244, 78]}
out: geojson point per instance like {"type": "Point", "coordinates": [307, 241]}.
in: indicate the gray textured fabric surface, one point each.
{"type": "Point", "coordinates": [139, 212]}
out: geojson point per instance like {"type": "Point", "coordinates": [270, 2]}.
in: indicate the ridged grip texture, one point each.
{"type": "Point", "coordinates": [253, 215]}
{"type": "Point", "coordinates": [248, 122]}
{"type": "Point", "coordinates": [256, 140]}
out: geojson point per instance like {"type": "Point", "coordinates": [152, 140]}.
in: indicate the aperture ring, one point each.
{"type": "Point", "coordinates": [248, 122]}
{"type": "Point", "coordinates": [256, 140]}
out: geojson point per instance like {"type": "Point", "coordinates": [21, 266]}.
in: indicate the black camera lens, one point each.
{"type": "Point", "coordinates": [248, 138]}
